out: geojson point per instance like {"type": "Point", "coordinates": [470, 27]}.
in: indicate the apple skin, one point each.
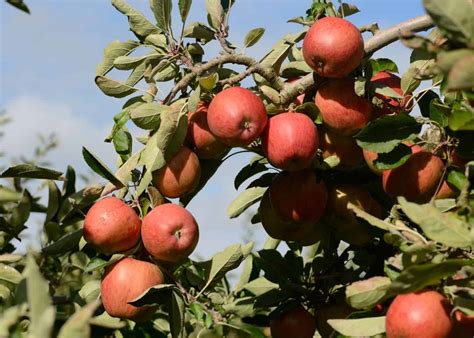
{"type": "Point", "coordinates": [343, 220]}
{"type": "Point", "coordinates": [303, 233]}
{"type": "Point", "coordinates": [417, 179]}
{"type": "Point", "coordinates": [341, 109]}
{"type": "Point", "coordinates": [180, 175]}
{"type": "Point", "coordinates": [425, 312]}
{"type": "Point", "coordinates": [335, 311]}
{"type": "Point", "coordinates": [390, 105]}
{"type": "Point", "coordinates": [124, 281]}
{"type": "Point", "coordinates": [447, 191]}
{"type": "Point", "coordinates": [236, 116]}
{"type": "Point", "coordinates": [463, 325]}
{"type": "Point", "coordinates": [344, 147]}
{"type": "Point", "coordinates": [333, 47]}
{"type": "Point", "coordinates": [111, 226]}
{"type": "Point", "coordinates": [290, 141]}
{"type": "Point", "coordinates": [202, 141]}
{"type": "Point", "coordinates": [295, 323]}
{"type": "Point", "coordinates": [370, 157]}
{"type": "Point", "coordinates": [298, 196]}
{"type": "Point", "coordinates": [170, 233]}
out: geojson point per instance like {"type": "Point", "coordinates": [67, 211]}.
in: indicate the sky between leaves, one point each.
{"type": "Point", "coordinates": [47, 67]}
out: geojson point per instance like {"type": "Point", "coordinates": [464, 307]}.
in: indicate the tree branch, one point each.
{"type": "Point", "coordinates": [240, 59]}
{"type": "Point", "coordinates": [378, 41]}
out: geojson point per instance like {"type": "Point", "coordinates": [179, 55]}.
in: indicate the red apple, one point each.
{"type": "Point", "coordinates": [341, 109]}
{"type": "Point", "coordinates": [417, 179]}
{"type": "Point", "coordinates": [298, 196]}
{"type": "Point", "coordinates": [344, 147]}
{"type": "Point", "coordinates": [343, 220]}
{"type": "Point", "coordinates": [390, 105]}
{"type": "Point", "coordinates": [290, 141]}
{"type": "Point", "coordinates": [180, 175]}
{"type": "Point", "coordinates": [420, 314]}
{"type": "Point", "coordinates": [370, 157]}
{"type": "Point", "coordinates": [236, 116]}
{"type": "Point", "coordinates": [111, 226]}
{"type": "Point", "coordinates": [463, 325]}
{"type": "Point", "coordinates": [333, 47]}
{"type": "Point", "coordinates": [123, 282]}
{"type": "Point", "coordinates": [447, 190]}
{"type": "Point", "coordinates": [335, 311]}
{"type": "Point", "coordinates": [294, 323]}
{"type": "Point", "coordinates": [170, 233]}
{"type": "Point", "coordinates": [203, 142]}
{"type": "Point", "coordinates": [302, 233]}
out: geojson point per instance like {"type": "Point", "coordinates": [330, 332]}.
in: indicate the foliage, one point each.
{"type": "Point", "coordinates": [416, 246]}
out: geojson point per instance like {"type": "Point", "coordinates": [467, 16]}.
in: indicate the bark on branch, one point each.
{"type": "Point", "coordinates": [378, 41]}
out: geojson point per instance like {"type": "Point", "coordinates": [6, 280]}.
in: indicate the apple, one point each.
{"type": "Point", "coordinates": [170, 233]}
{"type": "Point", "coordinates": [447, 190]}
{"type": "Point", "coordinates": [236, 116]}
{"type": "Point", "coordinates": [298, 196]}
{"type": "Point", "coordinates": [344, 147]}
{"type": "Point", "coordinates": [123, 282]}
{"type": "Point", "coordinates": [302, 233]}
{"type": "Point", "coordinates": [425, 313]}
{"type": "Point", "coordinates": [202, 141]}
{"type": "Point", "coordinates": [417, 179]}
{"type": "Point", "coordinates": [341, 109]}
{"type": "Point", "coordinates": [343, 220]}
{"type": "Point", "coordinates": [370, 157]}
{"type": "Point", "coordinates": [180, 175]}
{"type": "Point", "coordinates": [463, 325]}
{"type": "Point", "coordinates": [295, 323]}
{"type": "Point", "coordinates": [111, 226]}
{"type": "Point", "coordinates": [333, 47]}
{"type": "Point", "coordinates": [390, 105]}
{"type": "Point", "coordinates": [335, 311]}
{"type": "Point", "coordinates": [290, 141]}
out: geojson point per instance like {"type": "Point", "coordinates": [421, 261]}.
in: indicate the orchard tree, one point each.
{"type": "Point", "coordinates": [373, 202]}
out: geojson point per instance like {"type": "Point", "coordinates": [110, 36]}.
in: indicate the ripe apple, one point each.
{"type": "Point", "coordinates": [424, 313]}
{"type": "Point", "coordinates": [295, 323]}
{"type": "Point", "coordinates": [343, 220]}
{"type": "Point", "coordinates": [341, 109]}
{"type": "Point", "coordinates": [236, 116]}
{"type": "Point", "coordinates": [463, 325]}
{"type": "Point", "coordinates": [111, 226]}
{"type": "Point", "coordinates": [123, 282]}
{"type": "Point", "coordinates": [333, 47]}
{"type": "Point", "coordinates": [335, 311]}
{"type": "Point", "coordinates": [417, 179]}
{"type": "Point", "coordinates": [447, 190]}
{"type": "Point", "coordinates": [170, 233]}
{"type": "Point", "coordinates": [344, 147]}
{"type": "Point", "coordinates": [180, 175]}
{"type": "Point", "coordinates": [202, 141]}
{"type": "Point", "coordinates": [390, 104]}
{"type": "Point", "coordinates": [302, 233]}
{"type": "Point", "coordinates": [370, 157]}
{"type": "Point", "coordinates": [298, 196]}
{"type": "Point", "coordinates": [290, 141]}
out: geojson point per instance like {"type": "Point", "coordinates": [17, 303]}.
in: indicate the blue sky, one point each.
{"type": "Point", "coordinates": [47, 67]}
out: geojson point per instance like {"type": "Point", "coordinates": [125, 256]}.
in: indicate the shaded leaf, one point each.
{"type": "Point", "coordinates": [77, 326]}
{"type": "Point", "coordinates": [199, 31]}
{"type": "Point", "coordinates": [248, 171]}
{"type": "Point", "coordinates": [66, 243]}
{"type": "Point", "coordinates": [99, 167]}
{"type": "Point", "coordinates": [383, 64]}
{"type": "Point", "coordinates": [97, 263]}
{"type": "Point", "coordinates": [260, 286]}
{"type": "Point", "coordinates": [347, 9]}
{"type": "Point", "coordinates": [20, 4]}
{"type": "Point", "coordinates": [176, 314]}
{"type": "Point", "coordinates": [148, 115]}
{"type": "Point", "coordinates": [155, 295]}
{"type": "Point", "coordinates": [393, 159]}
{"type": "Point", "coordinates": [31, 171]}
{"type": "Point", "coordinates": [184, 7]}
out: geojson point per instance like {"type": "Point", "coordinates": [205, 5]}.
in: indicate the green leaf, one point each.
{"type": "Point", "coordinates": [372, 220]}
{"type": "Point", "coordinates": [136, 75]}
{"type": "Point", "coordinates": [249, 170]}
{"type": "Point", "coordinates": [461, 119]}
{"type": "Point", "coordinates": [148, 115]}
{"type": "Point", "coordinates": [454, 18]}
{"type": "Point", "coordinates": [114, 50]}
{"type": "Point", "coordinates": [130, 62]}
{"type": "Point", "coordinates": [124, 173]}
{"type": "Point", "coordinates": [10, 258]}
{"type": "Point", "coordinates": [411, 78]}
{"type": "Point", "coordinates": [461, 76]}
{"type": "Point", "coordinates": [165, 71]}
{"type": "Point", "coordinates": [347, 9]}
{"type": "Point", "coordinates": [66, 243]}
{"type": "Point", "coordinates": [245, 275]}
{"type": "Point", "coordinates": [439, 112]}
{"type": "Point", "coordinates": [11, 317]}
{"type": "Point", "coordinates": [155, 295]}
{"type": "Point", "coordinates": [215, 13]}
{"type": "Point", "coordinates": [41, 312]}
{"type": "Point", "coordinates": [20, 4]}
{"type": "Point", "coordinates": [31, 171]}
{"type": "Point", "coordinates": [253, 36]}
{"type": "Point", "coordinates": [457, 179]}
{"type": "Point", "coordinates": [384, 134]}
{"type": "Point", "coordinates": [361, 327]}
{"type": "Point", "coordinates": [99, 167]}
{"type": "Point", "coordinates": [393, 159]}
{"type": "Point", "coordinates": [382, 64]}
{"type": "Point", "coordinates": [77, 326]}
{"type": "Point", "coordinates": [176, 315]}
{"type": "Point", "coordinates": [244, 200]}
{"type": "Point", "coordinates": [9, 195]}
{"type": "Point", "coordinates": [365, 294]}
{"type": "Point", "coordinates": [137, 22]}
{"type": "Point", "coordinates": [295, 69]}
{"type": "Point", "coordinates": [97, 263]}
{"type": "Point", "coordinates": [162, 11]}
{"type": "Point", "coordinates": [260, 286]}
{"type": "Point", "coordinates": [123, 144]}
{"type": "Point", "coordinates": [113, 88]}
{"type": "Point", "coordinates": [418, 277]}
{"type": "Point", "coordinates": [385, 90]}
{"type": "Point", "coordinates": [90, 291]}
{"type": "Point", "coordinates": [441, 227]}
{"type": "Point", "coordinates": [424, 102]}
{"type": "Point", "coordinates": [208, 82]}
{"type": "Point", "coordinates": [199, 31]}
{"type": "Point", "coordinates": [9, 274]}
{"type": "Point", "coordinates": [223, 262]}
{"type": "Point", "coordinates": [184, 7]}
{"type": "Point", "coordinates": [54, 198]}
{"type": "Point", "coordinates": [106, 321]}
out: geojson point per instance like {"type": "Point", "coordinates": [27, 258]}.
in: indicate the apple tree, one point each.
{"type": "Point", "coordinates": [361, 177]}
